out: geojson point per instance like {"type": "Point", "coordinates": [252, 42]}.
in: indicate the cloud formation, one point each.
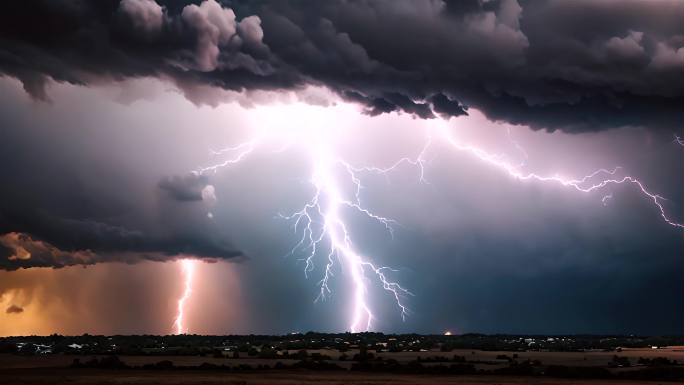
{"type": "Point", "coordinates": [576, 66]}
{"type": "Point", "coordinates": [14, 309]}
{"type": "Point", "coordinates": [87, 243]}
{"type": "Point", "coordinates": [81, 181]}
{"type": "Point", "coordinates": [57, 209]}
{"type": "Point", "coordinates": [186, 188]}
{"type": "Point", "coordinates": [465, 238]}
{"type": "Point", "coordinates": [145, 16]}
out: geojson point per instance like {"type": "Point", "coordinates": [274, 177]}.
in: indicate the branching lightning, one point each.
{"type": "Point", "coordinates": [678, 140]}
{"type": "Point", "coordinates": [326, 207]}
{"type": "Point", "coordinates": [589, 183]}
{"type": "Point", "coordinates": [322, 227]}
{"type": "Point", "coordinates": [321, 224]}
{"type": "Point", "coordinates": [188, 271]}
{"type": "Point", "coordinates": [236, 154]}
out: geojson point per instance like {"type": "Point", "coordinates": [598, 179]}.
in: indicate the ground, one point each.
{"type": "Point", "coordinates": [87, 377]}
{"type": "Point", "coordinates": [54, 369]}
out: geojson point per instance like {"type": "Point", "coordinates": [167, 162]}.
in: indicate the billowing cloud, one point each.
{"type": "Point", "coordinates": [209, 194]}
{"type": "Point", "coordinates": [668, 58]}
{"type": "Point", "coordinates": [250, 30]}
{"type": "Point", "coordinates": [23, 251]}
{"type": "Point", "coordinates": [146, 16]}
{"type": "Point", "coordinates": [57, 209]}
{"type": "Point", "coordinates": [626, 48]}
{"type": "Point", "coordinates": [214, 27]}
{"type": "Point", "coordinates": [82, 178]}
{"type": "Point", "coordinates": [87, 243]}
{"type": "Point", "coordinates": [576, 66]}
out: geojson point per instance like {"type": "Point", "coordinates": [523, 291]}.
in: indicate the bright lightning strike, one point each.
{"type": "Point", "coordinates": [188, 271]}
{"type": "Point", "coordinates": [326, 207]}
{"type": "Point", "coordinates": [322, 227]}
{"type": "Point", "coordinates": [589, 183]}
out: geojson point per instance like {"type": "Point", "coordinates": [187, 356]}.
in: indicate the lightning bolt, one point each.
{"type": "Point", "coordinates": [321, 224]}
{"type": "Point", "coordinates": [326, 207]}
{"type": "Point", "coordinates": [322, 227]}
{"type": "Point", "coordinates": [236, 154]}
{"type": "Point", "coordinates": [586, 184]}
{"type": "Point", "coordinates": [188, 272]}
{"type": "Point", "coordinates": [678, 140]}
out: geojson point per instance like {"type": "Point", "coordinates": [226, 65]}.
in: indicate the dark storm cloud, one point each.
{"type": "Point", "coordinates": [14, 309]}
{"type": "Point", "coordinates": [446, 107]}
{"type": "Point", "coordinates": [572, 65]}
{"type": "Point", "coordinates": [70, 227]}
{"type": "Point", "coordinates": [37, 239]}
{"type": "Point", "coordinates": [67, 198]}
{"type": "Point", "coordinates": [34, 240]}
{"type": "Point", "coordinates": [83, 247]}
{"type": "Point", "coordinates": [185, 188]}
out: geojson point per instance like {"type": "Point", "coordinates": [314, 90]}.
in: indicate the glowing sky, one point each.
{"type": "Point", "coordinates": [109, 177]}
{"type": "Point", "coordinates": [471, 243]}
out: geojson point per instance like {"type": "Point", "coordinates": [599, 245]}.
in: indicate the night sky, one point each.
{"type": "Point", "coordinates": [135, 134]}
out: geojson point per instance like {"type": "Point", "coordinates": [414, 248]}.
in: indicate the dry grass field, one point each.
{"type": "Point", "coordinates": [54, 369]}
{"type": "Point", "coordinates": [46, 376]}
{"type": "Point", "coordinates": [592, 358]}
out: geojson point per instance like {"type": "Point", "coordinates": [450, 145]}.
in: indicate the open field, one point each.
{"type": "Point", "coordinates": [79, 377]}
{"type": "Point", "coordinates": [486, 359]}
{"type": "Point", "coordinates": [55, 369]}
{"type": "Point", "coordinates": [344, 358]}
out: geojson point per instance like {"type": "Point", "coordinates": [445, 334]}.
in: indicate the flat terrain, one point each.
{"type": "Point", "coordinates": [103, 377]}
{"type": "Point", "coordinates": [54, 369]}
{"type": "Point", "coordinates": [488, 359]}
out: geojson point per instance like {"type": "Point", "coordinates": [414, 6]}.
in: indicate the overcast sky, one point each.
{"type": "Point", "coordinates": [108, 108]}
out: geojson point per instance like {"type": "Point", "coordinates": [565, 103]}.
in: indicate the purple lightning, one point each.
{"type": "Point", "coordinates": [678, 140]}
{"type": "Point", "coordinates": [586, 184]}
{"type": "Point", "coordinates": [323, 230]}
{"type": "Point", "coordinates": [325, 207]}
{"type": "Point", "coordinates": [322, 227]}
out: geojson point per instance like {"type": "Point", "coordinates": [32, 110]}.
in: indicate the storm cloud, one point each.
{"type": "Point", "coordinates": [186, 187]}
{"type": "Point", "coordinates": [14, 309]}
{"type": "Point", "coordinates": [68, 199]}
{"type": "Point", "coordinates": [576, 66]}
{"type": "Point", "coordinates": [107, 106]}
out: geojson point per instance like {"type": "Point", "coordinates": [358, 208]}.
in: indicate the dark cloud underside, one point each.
{"type": "Point", "coordinates": [14, 309]}
{"type": "Point", "coordinates": [571, 65]}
